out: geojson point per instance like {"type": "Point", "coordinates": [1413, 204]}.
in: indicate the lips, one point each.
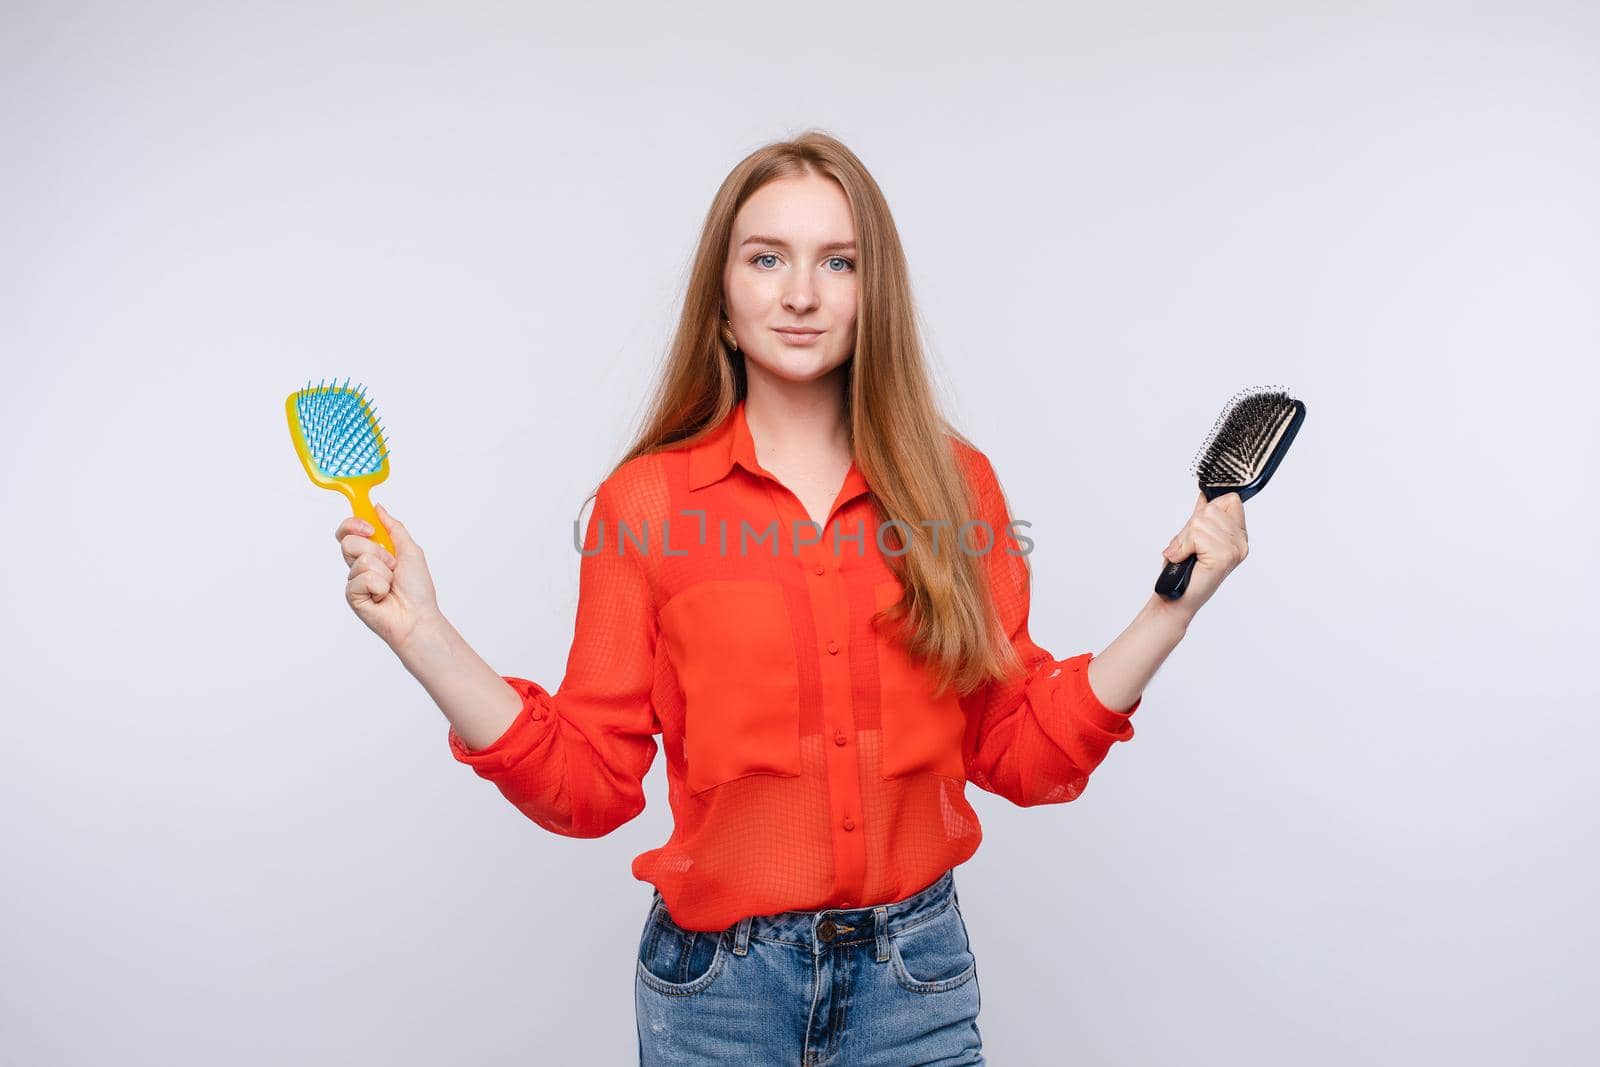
{"type": "Point", "coordinates": [797, 331]}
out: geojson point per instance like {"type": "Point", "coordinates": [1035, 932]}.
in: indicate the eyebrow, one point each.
{"type": "Point", "coordinates": [762, 239]}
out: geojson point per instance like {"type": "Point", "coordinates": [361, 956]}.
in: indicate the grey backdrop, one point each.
{"type": "Point", "coordinates": [1357, 823]}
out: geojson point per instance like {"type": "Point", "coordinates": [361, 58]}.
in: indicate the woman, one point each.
{"type": "Point", "coordinates": [810, 587]}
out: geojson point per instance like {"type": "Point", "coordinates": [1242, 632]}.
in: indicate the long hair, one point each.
{"type": "Point", "coordinates": [900, 438]}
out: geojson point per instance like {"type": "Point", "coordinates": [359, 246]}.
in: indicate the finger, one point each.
{"type": "Point", "coordinates": [373, 560]}
{"type": "Point", "coordinates": [1180, 547]}
{"type": "Point", "coordinates": [368, 583]}
{"type": "Point", "coordinates": [404, 545]}
{"type": "Point", "coordinates": [1219, 541]}
{"type": "Point", "coordinates": [350, 525]}
{"type": "Point", "coordinates": [1226, 510]}
{"type": "Point", "coordinates": [370, 563]}
{"type": "Point", "coordinates": [1228, 504]}
{"type": "Point", "coordinates": [1233, 507]}
{"type": "Point", "coordinates": [1215, 525]}
{"type": "Point", "coordinates": [354, 546]}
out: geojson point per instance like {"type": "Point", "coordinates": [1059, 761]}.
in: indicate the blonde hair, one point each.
{"type": "Point", "coordinates": [901, 440]}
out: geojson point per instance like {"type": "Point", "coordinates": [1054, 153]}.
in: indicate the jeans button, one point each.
{"type": "Point", "coordinates": [826, 930]}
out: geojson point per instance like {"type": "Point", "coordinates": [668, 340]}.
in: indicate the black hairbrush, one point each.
{"type": "Point", "coordinates": [1245, 445]}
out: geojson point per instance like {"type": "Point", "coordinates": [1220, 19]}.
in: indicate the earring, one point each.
{"type": "Point", "coordinates": [727, 335]}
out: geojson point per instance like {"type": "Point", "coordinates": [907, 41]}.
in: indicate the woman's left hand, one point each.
{"type": "Point", "coordinates": [1216, 536]}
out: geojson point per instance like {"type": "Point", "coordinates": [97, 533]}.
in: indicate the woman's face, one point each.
{"type": "Point", "coordinates": [792, 263]}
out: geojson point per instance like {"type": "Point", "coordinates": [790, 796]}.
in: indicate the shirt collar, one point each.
{"type": "Point", "coordinates": [712, 457]}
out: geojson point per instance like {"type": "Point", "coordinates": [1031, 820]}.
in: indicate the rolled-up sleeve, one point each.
{"type": "Point", "coordinates": [574, 761]}
{"type": "Point", "coordinates": [1035, 737]}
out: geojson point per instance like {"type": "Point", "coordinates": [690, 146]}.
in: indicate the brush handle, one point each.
{"type": "Point", "coordinates": [361, 506]}
{"type": "Point", "coordinates": [1174, 578]}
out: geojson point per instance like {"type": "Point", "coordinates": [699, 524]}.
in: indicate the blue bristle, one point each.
{"type": "Point", "coordinates": [341, 437]}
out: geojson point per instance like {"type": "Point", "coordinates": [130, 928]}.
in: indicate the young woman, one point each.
{"type": "Point", "coordinates": [808, 585]}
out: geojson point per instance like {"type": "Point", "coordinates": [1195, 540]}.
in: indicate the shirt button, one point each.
{"type": "Point", "coordinates": [849, 823]}
{"type": "Point", "coordinates": [818, 569]}
{"type": "Point", "coordinates": [844, 904]}
{"type": "Point", "coordinates": [838, 738]}
{"type": "Point", "coordinates": [833, 648]}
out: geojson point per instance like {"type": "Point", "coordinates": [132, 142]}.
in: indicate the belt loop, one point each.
{"type": "Point", "coordinates": [741, 937]}
{"type": "Point", "coordinates": [880, 915]}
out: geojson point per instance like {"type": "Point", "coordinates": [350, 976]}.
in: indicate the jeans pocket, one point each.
{"type": "Point", "coordinates": [935, 955]}
{"type": "Point", "coordinates": [675, 961]}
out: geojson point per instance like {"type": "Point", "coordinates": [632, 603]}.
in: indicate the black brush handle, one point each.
{"type": "Point", "coordinates": [1175, 578]}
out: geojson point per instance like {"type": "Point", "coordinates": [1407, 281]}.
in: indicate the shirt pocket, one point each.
{"type": "Point", "coordinates": [732, 645]}
{"type": "Point", "coordinates": [920, 732]}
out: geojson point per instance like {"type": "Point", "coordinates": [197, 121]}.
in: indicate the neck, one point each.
{"type": "Point", "coordinates": [798, 418]}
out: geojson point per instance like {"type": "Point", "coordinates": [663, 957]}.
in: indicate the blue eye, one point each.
{"type": "Point", "coordinates": [849, 264]}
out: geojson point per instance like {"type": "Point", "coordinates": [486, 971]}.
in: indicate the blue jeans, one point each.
{"type": "Point", "coordinates": [886, 986]}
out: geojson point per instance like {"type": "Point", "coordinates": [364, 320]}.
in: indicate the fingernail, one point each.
{"type": "Point", "coordinates": [366, 527]}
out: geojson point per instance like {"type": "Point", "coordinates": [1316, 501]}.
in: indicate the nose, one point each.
{"type": "Point", "coordinates": [800, 295]}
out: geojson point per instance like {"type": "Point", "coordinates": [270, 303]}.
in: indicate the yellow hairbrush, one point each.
{"type": "Point", "coordinates": [340, 442]}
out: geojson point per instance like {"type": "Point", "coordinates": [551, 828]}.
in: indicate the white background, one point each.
{"type": "Point", "coordinates": [1357, 823]}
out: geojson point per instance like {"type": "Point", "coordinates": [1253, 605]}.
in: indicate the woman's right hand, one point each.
{"type": "Point", "coordinates": [392, 594]}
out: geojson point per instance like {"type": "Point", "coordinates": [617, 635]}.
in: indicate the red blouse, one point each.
{"type": "Point", "coordinates": [808, 764]}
